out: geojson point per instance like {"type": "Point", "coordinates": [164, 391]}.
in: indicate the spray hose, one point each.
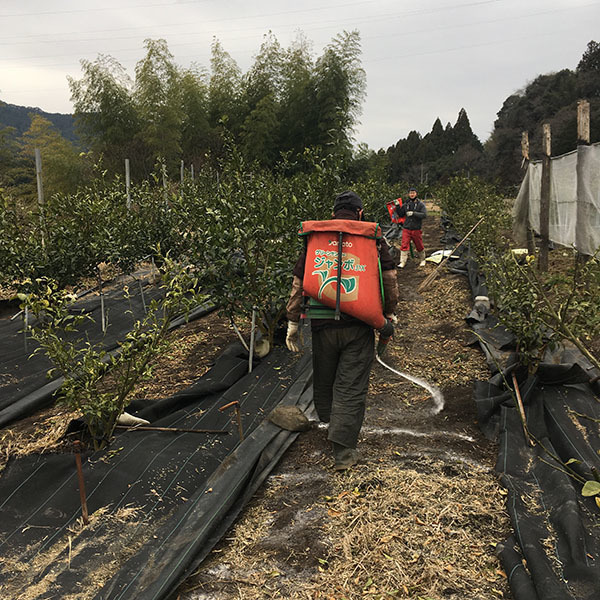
{"type": "Point", "coordinates": [436, 394]}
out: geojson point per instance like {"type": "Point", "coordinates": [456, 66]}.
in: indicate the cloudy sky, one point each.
{"type": "Point", "coordinates": [423, 58]}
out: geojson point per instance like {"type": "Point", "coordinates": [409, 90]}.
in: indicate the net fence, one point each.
{"type": "Point", "coordinates": [574, 200]}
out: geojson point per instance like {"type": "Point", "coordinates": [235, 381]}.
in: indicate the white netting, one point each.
{"type": "Point", "coordinates": [574, 200]}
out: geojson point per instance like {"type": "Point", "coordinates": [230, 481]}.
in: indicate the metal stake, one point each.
{"type": "Point", "coordinates": [238, 416]}
{"type": "Point", "coordinates": [239, 334]}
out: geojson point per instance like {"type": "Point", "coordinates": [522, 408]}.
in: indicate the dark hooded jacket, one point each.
{"type": "Point", "coordinates": [419, 211]}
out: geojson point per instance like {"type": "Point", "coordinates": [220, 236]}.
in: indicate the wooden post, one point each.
{"type": "Point", "coordinates": [545, 199]}
{"type": "Point", "coordinates": [128, 184]}
{"type": "Point", "coordinates": [525, 163]}
{"type": "Point", "coordinates": [524, 148]}
{"type": "Point", "coordinates": [583, 122]}
{"type": "Point", "coordinates": [40, 191]}
{"type": "Point", "coordinates": [583, 139]}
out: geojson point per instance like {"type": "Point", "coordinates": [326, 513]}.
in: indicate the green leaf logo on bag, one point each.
{"type": "Point", "coordinates": [325, 264]}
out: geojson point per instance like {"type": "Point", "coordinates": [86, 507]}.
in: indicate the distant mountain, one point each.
{"type": "Point", "coordinates": [18, 117]}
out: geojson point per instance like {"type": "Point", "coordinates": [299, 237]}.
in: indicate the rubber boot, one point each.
{"type": "Point", "coordinates": [403, 258]}
{"type": "Point", "coordinates": [344, 458]}
{"type": "Point", "coordinates": [421, 258]}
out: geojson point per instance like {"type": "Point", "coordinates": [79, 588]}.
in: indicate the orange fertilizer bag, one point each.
{"type": "Point", "coordinates": [361, 294]}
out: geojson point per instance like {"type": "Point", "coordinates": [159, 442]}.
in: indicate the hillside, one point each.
{"type": "Point", "coordinates": [18, 117]}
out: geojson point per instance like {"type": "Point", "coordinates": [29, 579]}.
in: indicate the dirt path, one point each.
{"type": "Point", "coordinates": [420, 515]}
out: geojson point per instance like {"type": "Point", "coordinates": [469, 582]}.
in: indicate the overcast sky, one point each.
{"type": "Point", "coordinates": [423, 58]}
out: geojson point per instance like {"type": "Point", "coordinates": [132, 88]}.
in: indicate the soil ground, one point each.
{"type": "Point", "coordinates": [419, 516]}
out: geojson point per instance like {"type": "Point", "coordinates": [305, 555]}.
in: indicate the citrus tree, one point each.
{"type": "Point", "coordinates": [83, 365]}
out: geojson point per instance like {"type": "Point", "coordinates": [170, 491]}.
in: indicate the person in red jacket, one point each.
{"type": "Point", "coordinates": [414, 210]}
{"type": "Point", "coordinates": [343, 348]}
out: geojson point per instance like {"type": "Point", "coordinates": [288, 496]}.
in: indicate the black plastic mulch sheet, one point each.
{"type": "Point", "coordinates": [158, 501]}
{"type": "Point", "coordinates": [554, 552]}
{"type": "Point", "coordinates": [556, 529]}
{"type": "Point", "coordinates": [24, 386]}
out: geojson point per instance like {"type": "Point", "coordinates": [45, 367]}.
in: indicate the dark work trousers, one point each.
{"type": "Point", "coordinates": [342, 359]}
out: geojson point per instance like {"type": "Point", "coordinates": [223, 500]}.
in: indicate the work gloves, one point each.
{"type": "Point", "coordinates": [130, 420]}
{"type": "Point", "coordinates": [292, 339]}
{"type": "Point", "coordinates": [409, 213]}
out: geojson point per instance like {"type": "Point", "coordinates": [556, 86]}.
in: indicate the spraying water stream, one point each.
{"type": "Point", "coordinates": [436, 394]}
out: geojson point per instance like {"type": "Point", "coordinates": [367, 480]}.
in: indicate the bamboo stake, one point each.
{"type": "Point", "coordinates": [429, 279]}
{"type": "Point", "coordinates": [521, 410]}
{"type": "Point", "coordinates": [239, 334]}
{"type": "Point", "coordinates": [175, 429]}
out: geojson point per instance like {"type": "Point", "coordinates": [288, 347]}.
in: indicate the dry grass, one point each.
{"type": "Point", "coordinates": [392, 532]}
{"type": "Point", "coordinates": [24, 583]}
{"type": "Point", "coordinates": [407, 533]}
{"type": "Point", "coordinates": [42, 434]}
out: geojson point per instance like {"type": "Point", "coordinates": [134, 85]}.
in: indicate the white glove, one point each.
{"type": "Point", "coordinates": [292, 340]}
{"type": "Point", "coordinates": [393, 318]}
{"type": "Point", "coordinates": [409, 213]}
{"type": "Point", "coordinates": [131, 421]}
